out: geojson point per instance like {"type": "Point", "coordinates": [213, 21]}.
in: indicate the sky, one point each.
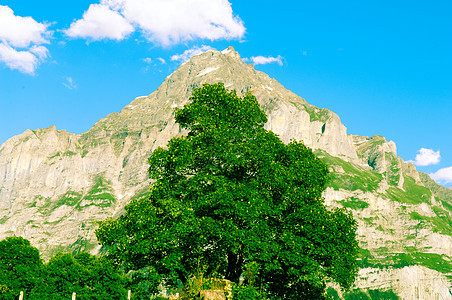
{"type": "Point", "coordinates": [384, 67]}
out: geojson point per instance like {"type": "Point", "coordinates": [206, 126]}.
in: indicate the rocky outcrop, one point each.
{"type": "Point", "coordinates": [404, 228]}
{"type": "Point", "coordinates": [381, 156]}
{"type": "Point", "coordinates": [410, 282]}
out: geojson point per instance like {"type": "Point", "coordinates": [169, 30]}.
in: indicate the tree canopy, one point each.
{"type": "Point", "coordinates": [91, 278]}
{"type": "Point", "coordinates": [20, 267]}
{"type": "Point", "coordinates": [232, 199]}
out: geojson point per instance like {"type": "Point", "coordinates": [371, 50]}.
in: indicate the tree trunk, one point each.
{"type": "Point", "coordinates": [234, 270]}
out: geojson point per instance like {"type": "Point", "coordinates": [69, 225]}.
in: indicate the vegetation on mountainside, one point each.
{"type": "Point", "coordinates": [439, 191]}
{"type": "Point", "coordinates": [351, 176]}
{"type": "Point", "coordinates": [348, 176]}
{"type": "Point", "coordinates": [367, 145]}
{"type": "Point", "coordinates": [232, 199]}
{"type": "Point", "coordinates": [354, 203]}
{"type": "Point", "coordinates": [70, 198]}
{"type": "Point", "coordinates": [410, 257]}
{"type": "Point", "coordinates": [101, 194]}
{"type": "Point", "coordinates": [371, 294]}
{"type": "Point", "coordinates": [358, 294]}
{"type": "Point", "coordinates": [380, 158]}
{"type": "Point", "coordinates": [316, 114]}
{"type": "Point", "coordinates": [442, 222]}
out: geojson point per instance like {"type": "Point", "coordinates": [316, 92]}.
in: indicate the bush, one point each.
{"type": "Point", "coordinates": [245, 292]}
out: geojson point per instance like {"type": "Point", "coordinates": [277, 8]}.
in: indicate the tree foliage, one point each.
{"type": "Point", "coordinates": [20, 267]}
{"type": "Point", "coordinates": [86, 275]}
{"type": "Point", "coordinates": [234, 197]}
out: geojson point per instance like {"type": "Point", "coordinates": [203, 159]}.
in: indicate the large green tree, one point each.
{"type": "Point", "coordinates": [232, 199]}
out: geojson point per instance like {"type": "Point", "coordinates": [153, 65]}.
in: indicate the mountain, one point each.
{"type": "Point", "coordinates": [55, 185]}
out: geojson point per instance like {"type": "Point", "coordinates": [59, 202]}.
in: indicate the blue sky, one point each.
{"type": "Point", "coordinates": [384, 67]}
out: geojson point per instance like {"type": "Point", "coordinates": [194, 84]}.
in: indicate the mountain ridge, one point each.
{"type": "Point", "coordinates": [55, 185]}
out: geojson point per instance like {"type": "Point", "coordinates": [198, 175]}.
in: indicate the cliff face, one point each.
{"type": "Point", "coordinates": [404, 220]}
{"type": "Point", "coordinates": [55, 185]}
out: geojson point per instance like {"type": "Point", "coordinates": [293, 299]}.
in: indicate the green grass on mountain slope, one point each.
{"type": "Point", "coordinates": [316, 114]}
{"type": "Point", "coordinates": [354, 203]}
{"type": "Point", "coordinates": [117, 139]}
{"type": "Point", "coordinates": [367, 145]}
{"type": "Point", "coordinates": [70, 198]}
{"type": "Point", "coordinates": [434, 261]}
{"type": "Point", "coordinates": [416, 190]}
{"type": "Point", "coordinates": [442, 222]}
{"type": "Point", "coordinates": [360, 294]}
{"type": "Point", "coordinates": [382, 259]}
{"type": "Point", "coordinates": [439, 191]}
{"type": "Point", "coordinates": [393, 175]}
{"type": "Point", "coordinates": [61, 155]}
{"type": "Point", "coordinates": [100, 194]}
{"type": "Point", "coordinates": [442, 194]}
{"type": "Point", "coordinates": [354, 177]}
{"type": "Point", "coordinates": [446, 205]}
{"type": "Point", "coordinates": [376, 156]}
{"type": "Point", "coordinates": [412, 193]}
{"type": "Point", "coordinates": [417, 194]}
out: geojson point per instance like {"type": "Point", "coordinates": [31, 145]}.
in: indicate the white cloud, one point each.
{"type": "Point", "coordinates": [40, 51]}
{"type": "Point", "coordinates": [20, 41]}
{"type": "Point", "coordinates": [21, 31]}
{"type": "Point", "coordinates": [149, 60]}
{"type": "Point", "coordinates": [165, 22]}
{"type": "Point", "coordinates": [23, 61]}
{"type": "Point", "coordinates": [426, 157]}
{"type": "Point", "coordinates": [262, 60]}
{"type": "Point", "coordinates": [100, 22]}
{"type": "Point", "coordinates": [69, 83]}
{"type": "Point", "coordinates": [443, 175]}
{"type": "Point", "coordinates": [187, 54]}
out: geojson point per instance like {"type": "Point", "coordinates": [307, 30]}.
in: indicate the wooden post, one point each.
{"type": "Point", "coordinates": [73, 296]}
{"type": "Point", "coordinates": [129, 294]}
{"type": "Point", "coordinates": [21, 295]}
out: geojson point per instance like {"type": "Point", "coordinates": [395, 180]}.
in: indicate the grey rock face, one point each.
{"type": "Point", "coordinates": [55, 185]}
{"type": "Point", "coordinates": [381, 156]}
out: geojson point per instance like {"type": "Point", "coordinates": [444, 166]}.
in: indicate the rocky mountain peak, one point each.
{"type": "Point", "coordinates": [321, 129]}
{"type": "Point", "coordinates": [55, 185]}
{"type": "Point", "coordinates": [231, 52]}
{"type": "Point", "coordinates": [50, 174]}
